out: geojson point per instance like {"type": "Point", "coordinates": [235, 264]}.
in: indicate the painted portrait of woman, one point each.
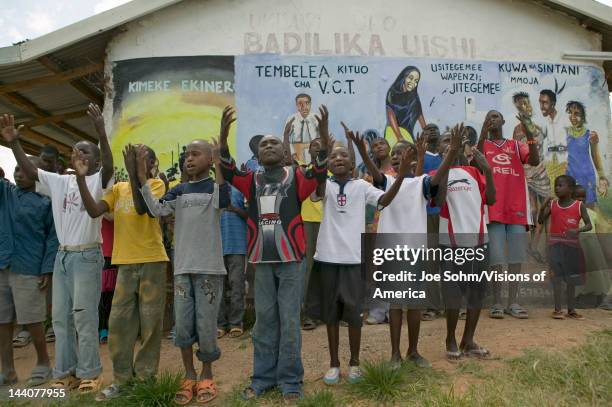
{"type": "Point", "coordinates": [404, 106]}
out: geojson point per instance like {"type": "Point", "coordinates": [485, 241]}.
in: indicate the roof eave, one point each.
{"type": "Point", "coordinates": [80, 30]}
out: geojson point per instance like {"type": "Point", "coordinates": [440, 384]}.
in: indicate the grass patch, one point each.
{"type": "Point", "coordinates": [321, 398]}
{"type": "Point", "coordinates": [154, 392]}
{"type": "Point", "coordinates": [381, 382]}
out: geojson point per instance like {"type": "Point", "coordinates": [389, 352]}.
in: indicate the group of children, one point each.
{"type": "Point", "coordinates": [315, 270]}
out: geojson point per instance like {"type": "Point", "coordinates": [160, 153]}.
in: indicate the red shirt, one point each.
{"type": "Point", "coordinates": [561, 220]}
{"type": "Point", "coordinates": [107, 237]}
{"type": "Point", "coordinates": [506, 158]}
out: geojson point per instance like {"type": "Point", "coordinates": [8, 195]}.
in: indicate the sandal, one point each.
{"type": "Point", "coordinates": [67, 383]}
{"type": "Point", "coordinates": [517, 311]}
{"type": "Point", "coordinates": [235, 332]}
{"type": "Point", "coordinates": [22, 339]}
{"type": "Point", "coordinates": [221, 333]}
{"type": "Point", "coordinates": [5, 381]}
{"type": "Point", "coordinates": [574, 315]}
{"type": "Point", "coordinates": [40, 375]}
{"type": "Point", "coordinates": [453, 356]}
{"type": "Point", "coordinates": [111, 392]}
{"type": "Point", "coordinates": [478, 353]}
{"type": "Point", "coordinates": [463, 315]}
{"type": "Point", "coordinates": [90, 385]}
{"type": "Point", "coordinates": [428, 315]}
{"type": "Point", "coordinates": [50, 335]}
{"type": "Point", "coordinates": [309, 325]}
{"type": "Point", "coordinates": [332, 376]}
{"type": "Point", "coordinates": [206, 391]}
{"type": "Point", "coordinates": [558, 315]}
{"type": "Point", "coordinates": [496, 312]}
{"type": "Point", "coordinates": [185, 394]}
{"type": "Point", "coordinates": [249, 394]}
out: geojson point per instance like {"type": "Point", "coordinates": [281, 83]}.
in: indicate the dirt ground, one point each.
{"type": "Point", "coordinates": [504, 338]}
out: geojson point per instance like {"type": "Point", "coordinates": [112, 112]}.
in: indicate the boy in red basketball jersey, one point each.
{"type": "Point", "coordinates": [510, 216]}
{"type": "Point", "coordinates": [564, 253]}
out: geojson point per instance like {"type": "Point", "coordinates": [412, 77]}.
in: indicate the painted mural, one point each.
{"type": "Point", "coordinates": [166, 102]}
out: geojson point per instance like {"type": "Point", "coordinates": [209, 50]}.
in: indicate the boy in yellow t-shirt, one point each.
{"type": "Point", "coordinates": [138, 250]}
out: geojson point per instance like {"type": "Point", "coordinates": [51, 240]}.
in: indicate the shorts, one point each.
{"type": "Point", "coordinates": [197, 298]}
{"type": "Point", "coordinates": [336, 292]}
{"type": "Point", "coordinates": [507, 244]}
{"type": "Point", "coordinates": [473, 292]}
{"type": "Point", "coordinates": [566, 263]}
{"type": "Point", "coordinates": [21, 299]}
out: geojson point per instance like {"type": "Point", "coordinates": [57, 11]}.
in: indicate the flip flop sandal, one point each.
{"type": "Point", "coordinates": [463, 315]}
{"type": "Point", "coordinates": [50, 335]}
{"type": "Point", "coordinates": [479, 353]}
{"type": "Point", "coordinates": [111, 392]}
{"type": "Point", "coordinates": [497, 312]}
{"type": "Point", "coordinates": [40, 375]}
{"type": "Point", "coordinates": [517, 311]}
{"type": "Point", "coordinates": [249, 394]}
{"type": "Point", "coordinates": [558, 315]}
{"type": "Point", "coordinates": [4, 381]}
{"type": "Point", "coordinates": [453, 356]}
{"type": "Point", "coordinates": [221, 333]}
{"type": "Point", "coordinates": [428, 316]}
{"type": "Point", "coordinates": [90, 385]}
{"type": "Point", "coordinates": [206, 391]}
{"type": "Point", "coordinates": [22, 339]}
{"type": "Point", "coordinates": [185, 394]}
{"type": "Point", "coordinates": [574, 315]}
{"type": "Point", "coordinates": [309, 325]}
{"type": "Point", "coordinates": [236, 332]}
{"type": "Point", "coordinates": [355, 375]}
{"type": "Point", "coordinates": [67, 383]}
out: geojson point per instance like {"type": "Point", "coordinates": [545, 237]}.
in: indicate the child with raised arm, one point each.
{"type": "Point", "coordinates": [78, 265]}
{"type": "Point", "coordinates": [198, 263]}
{"type": "Point", "coordinates": [337, 285]}
{"type": "Point", "coordinates": [407, 214]}
{"type": "Point", "coordinates": [564, 252]}
{"type": "Point", "coordinates": [138, 250]}
{"type": "Point", "coordinates": [276, 246]}
{"type": "Point", "coordinates": [27, 253]}
{"type": "Point", "coordinates": [463, 227]}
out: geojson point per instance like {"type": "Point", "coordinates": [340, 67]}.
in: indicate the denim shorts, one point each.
{"type": "Point", "coordinates": [196, 307]}
{"type": "Point", "coordinates": [507, 243]}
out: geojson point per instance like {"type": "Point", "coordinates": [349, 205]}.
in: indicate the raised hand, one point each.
{"type": "Point", "coordinates": [95, 114]}
{"type": "Point", "coordinates": [227, 118]}
{"type": "Point", "coordinates": [406, 164]}
{"type": "Point", "coordinates": [323, 121]}
{"type": "Point", "coordinates": [80, 164]}
{"type": "Point", "coordinates": [457, 134]}
{"type": "Point", "coordinates": [481, 160]}
{"type": "Point", "coordinates": [7, 128]}
{"type": "Point", "coordinates": [215, 150]}
{"type": "Point", "coordinates": [594, 137]}
{"type": "Point", "coordinates": [484, 132]}
{"type": "Point", "coordinates": [421, 145]}
{"type": "Point", "coordinates": [142, 170]}
{"type": "Point", "coordinates": [357, 139]}
{"type": "Point", "coordinates": [129, 160]}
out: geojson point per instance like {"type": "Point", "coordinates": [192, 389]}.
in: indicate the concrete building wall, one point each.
{"type": "Point", "coordinates": [466, 29]}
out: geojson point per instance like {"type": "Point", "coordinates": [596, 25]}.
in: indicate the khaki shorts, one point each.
{"type": "Point", "coordinates": [21, 299]}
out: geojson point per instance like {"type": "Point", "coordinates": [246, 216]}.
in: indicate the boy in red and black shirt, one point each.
{"type": "Point", "coordinates": [276, 246]}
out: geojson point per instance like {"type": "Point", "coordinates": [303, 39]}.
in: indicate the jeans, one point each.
{"type": "Point", "coordinates": [138, 308]}
{"type": "Point", "coordinates": [277, 336]}
{"type": "Point", "coordinates": [231, 309]}
{"type": "Point", "coordinates": [77, 281]}
{"type": "Point", "coordinates": [196, 307]}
